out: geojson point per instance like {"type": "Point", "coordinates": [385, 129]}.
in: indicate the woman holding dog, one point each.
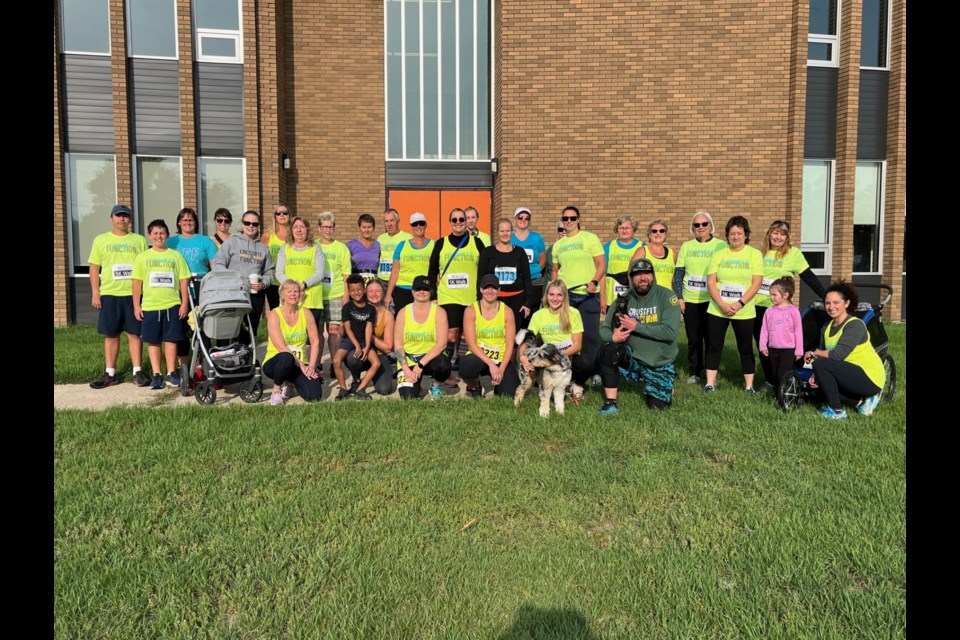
{"type": "Point", "coordinates": [556, 322]}
{"type": "Point", "coordinates": [489, 327]}
{"type": "Point", "coordinates": [846, 367]}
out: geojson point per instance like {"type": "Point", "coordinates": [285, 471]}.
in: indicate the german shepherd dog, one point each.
{"type": "Point", "coordinates": [552, 370]}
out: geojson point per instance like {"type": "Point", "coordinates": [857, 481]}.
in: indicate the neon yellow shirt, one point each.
{"type": "Point", "coordinates": [491, 334]}
{"type": "Point", "coordinates": [775, 268]}
{"type": "Point", "coordinates": [161, 273]}
{"type": "Point", "coordinates": [575, 256]}
{"type": "Point", "coordinates": [663, 268]}
{"type": "Point", "coordinates": [300, 264]}
{"type": "Point", "coordinates": [618, 261]}
{"type": "Point", "coordinates": [419, 338]}
{"type": "Point", "coordinates": [863, 355]}
{"type": "Point", "coordinates": [695, 258]}
{"type": "Point", "coordinates": [388, 245]}
{"type": "Point", "coordinates": [273, 244]}
{"type": "Point", "coordinates": [115, 255]}
{"type": "Point", "coordinates": [336, 258]}
{"type": "Point", "coordinates": [735, 271]}
{"type": "Point", "coordinates": [413, 262]}
{"type": "Point", "coordinates": [547, 325]}
{"type": "Point", "coordinates": [295, 337]}
{"type": "Point", "coordinates": [458, 285]}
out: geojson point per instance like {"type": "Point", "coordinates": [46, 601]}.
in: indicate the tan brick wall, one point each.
{"type": "Point", "coordinates": [188, 130]}
{"type": "Point", "coordinates": [61, 290]}
{"type": "Point", "coordinates": [895, 212]}
{"type": "Point", "coordinates": [655, 109]}
{"type": "Point", "coordinates": [268, 60]}
{"type": "Point", "coordinates": [251, 107]}
{"type": "Point", "coordinates": [121, 119]}
{"type": "Point", "coordinates": [334, 110]}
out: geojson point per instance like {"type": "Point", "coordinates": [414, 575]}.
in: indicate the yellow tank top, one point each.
{"type": "Point", "coordinates": [419, 338]}
{"type": "Point", "coordinates": [294, 336]}
{"type": "Point", "coordinates": [491, 334]}
{"type": "Point", "coordinates": [413, 262]}
{"type": "Point", "coordinates": [863, 355]}
{"type": "Point", "coordinates": [274, 244]}
{"type": "Point", "coordinates": [300, 265]}
{"type": "Point", "coordinates": [663, 267]}
{"type": "Point", "coordinates": [458, 285]}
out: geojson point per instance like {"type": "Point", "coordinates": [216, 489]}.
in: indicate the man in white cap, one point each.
{"type": "Point", "coordinates": [534, 246]}
{"type": "Point", "coordinates": [411, 258]}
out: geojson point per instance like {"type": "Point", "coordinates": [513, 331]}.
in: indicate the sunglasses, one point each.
{"type": "Point", "coordinates": [221, 220]}
{"type": "Point", "coordinates": [247, 223]}
{"type": "Point", "coordinates": [569, 218]}
{"type": "Point", "coordinates": [457, 220]}
{"type": "Point", "coordinates": [781, 223]}
{"type": "Point", "coordinates": [561, 230]}
{"type": "Point", "coordinates": [523, 217]}
{"type": "Point", "coordinates": [281, 213]}
{"type": "Point", "coordinates": [418, 223]}
{"type": "Point", "coordinates": [698, 225]}
{"type": "Point", "coordinates": [658, 230]}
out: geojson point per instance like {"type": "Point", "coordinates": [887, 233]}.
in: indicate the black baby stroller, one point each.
{"type": "Point", "coordinates": [224, 347]}
{"type": "Point", "coordinates": [795, 387]}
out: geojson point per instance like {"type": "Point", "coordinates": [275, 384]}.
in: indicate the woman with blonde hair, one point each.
{"type": "Point", "coordinates": [290, 328]}
{"type": "Point", "coordinates": [664, 261]}
{"type": "Point", "coordinates": [617, 253]}
{"type": "Point", "coordinates": [557, 323]}
{"type": "Point", "coordinates": [275, 239]}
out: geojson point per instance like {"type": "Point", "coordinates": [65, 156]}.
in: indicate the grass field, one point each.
{"type": "Point", "coordinates": [720, 518]}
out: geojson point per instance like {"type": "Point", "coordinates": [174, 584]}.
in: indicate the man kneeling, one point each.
{"type": "Point", "coordinates": [640, 336]}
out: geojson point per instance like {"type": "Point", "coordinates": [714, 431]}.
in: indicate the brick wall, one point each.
{"type": "Point", "coordinates": [61, 292]}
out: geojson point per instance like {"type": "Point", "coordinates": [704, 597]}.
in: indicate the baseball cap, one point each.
{"type": "Point", "coordinates": [639, 266]}
{"type": "Point", "coordinates": [521, 210]}
{"type": "Point", "coordinates": [121, 210]}
{"type": "Point", "coordinates": [421, 282]}
{"type": "Point", "coordinates": [417, 217]}
{"type": "Point", "coordinates": [489, 280]}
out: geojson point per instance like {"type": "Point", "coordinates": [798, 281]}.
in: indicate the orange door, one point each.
{"type": "Point", "coordinates": [436, 206]}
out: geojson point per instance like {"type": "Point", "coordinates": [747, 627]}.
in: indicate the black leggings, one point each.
{"type": "Point", "coordinates": [439, 369]}
{"type": "Point", "coordinates": [284, 368]}
{"type": "Point", "coordinates": [769, 371]}
{"type": "Point", "coordinates": [695, 325]}
{"type": "Point", "coordinates": [256, 301]}
{"type": "Point", "coordinates": [472, 367]}
{"type": "Point", "coordinates": [717, 331]}
{"type": "Point", "coordinates": [383, 381]}
{"type": "Point", "coordinates": [401, 298]}
{"type": "Point", "coordinates": [842, 382]}
{"type": "Point", "coordinates": [589, 308]}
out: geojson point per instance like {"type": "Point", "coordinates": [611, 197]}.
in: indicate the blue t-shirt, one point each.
{"type": "Point", "coordinates": [533, 246]}
{"type": "Point", "coordinates": [197, 250]}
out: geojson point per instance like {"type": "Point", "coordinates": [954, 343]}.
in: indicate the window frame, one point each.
{"type": "Point", "coordinates": [176, 35]}
{"type": "Point", "coordinates": [139, 221]}
{"type": "Point", "coordinates": [881, 206]}
{"type": "Point", "coordinates": [886, 66]}
{"type": "Point", "coordinates": [68, 178]}
{"type": "Point", "coordinates": [199, 33]}
{"type": "Point", "coordinates": [824, 38]}
{"type": "Point", "coordinates": [201, 213]}
{"type": "Point", "coordinates": [824, 247]}
{"type": "Point", "coordinates": [63, 48]}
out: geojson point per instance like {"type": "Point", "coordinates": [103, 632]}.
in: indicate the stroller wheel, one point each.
{"type": "Point", "coordinates": [890, 384]}
{"type": "Point", "coordinates": [185, 381]}
{"type": "Point", "coordinates": [251, 391]}
{"type": "Point", "coordinates": [790, 392]}
{"type": "Point", "coordinates": [205, 393]}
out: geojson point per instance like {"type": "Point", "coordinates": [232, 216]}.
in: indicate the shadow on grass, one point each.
{"type": "Point", "coordinates": [548, 624]}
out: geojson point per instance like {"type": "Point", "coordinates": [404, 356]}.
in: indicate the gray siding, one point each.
{"type": "Point", "coordinates": [872, 116]}
{"type": "Point", "coordinates": [219, 109]}
{"type": "Point", "coordinates": [439, 175]}
{"type": "Point", "coordinates": [155, 106]}
{"type": "Point", "coordinates": [87, 104]}
{"type": "Point", "coordinates": [820, 130]}
{"type": "Point", "coordinates": [80, 292]}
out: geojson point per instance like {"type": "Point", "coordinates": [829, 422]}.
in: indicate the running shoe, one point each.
{"type": "Point", "coordinates": [360, 395]}
{"type": "Point", "coordinates": [288, 390]}
{"type": "Point", "coordinates": [173, 379]}
{"type": "Point", "coordinates": [354, 386]}
{"type": "Point", "coordinates": [867, 407]}
{"type": "Point", "coordinates": [474, 392]}
{"type": "Point", "coordinates": [435, 390]}
{"type": "Point", "coordinates": [276, 398]}
{"type": "Point", "coordinates": [751, 391]}
{"type": "Point", "coordinates": [157, 382]}
{"type": "Point", "coordinates": [609, 408]}
{"type": "Point", "coordinates": [768, 387]}
{"type": "Point", "coordinates": [343, 395]}
{"type": "Point", "coordinates": [141, 379]}
{"type": "Point", "coordinates": [106, 381]}
{"type": "Point", "coordinates": [693, 380]}
{"type": "Point", "coordinates": [828, 412]}
{"type": "Point", "coordinates": [709, 388]}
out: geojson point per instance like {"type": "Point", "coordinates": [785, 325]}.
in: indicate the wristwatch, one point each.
{"type": "Point", "coordinates": [595, 283]}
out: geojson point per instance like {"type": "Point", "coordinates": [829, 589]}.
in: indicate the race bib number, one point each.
{"type": "Point", "coordinates": [765, 287]}
{"type": "Point", "coordinates": [565, 344]}
{"type": "Point", "coordinates": [122, 271]}
{"type": "Point", "coordinates": [386, 266]}
{"type": "Point", "coordinates": [297, 352]}
{"type": "Point", "coordinates": [491, 351]}
{"type": "Point", "coordinates": [695, 283]}
{"type": "Point", "coordinates": [327, 277]}
{"type": "Point", "coordinates": [163, 280]}
{"type": "Point", "coordinates": [506, 275]}
{"type": "Point", "coordinates": [731, 292]}
{"type": "Point", "coordinates": [458, 281]}
{"type": "Point", "coordinates": [620, 289]}
{"type": "Point", "coordinates": [529, 253]}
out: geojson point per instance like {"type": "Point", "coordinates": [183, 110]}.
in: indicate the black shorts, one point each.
{"type": "Point", "coordinates": [162, 326]}
{"type": "Point", "coordinates": [454, 315]}
{"type": "Point", "coordinates": [116, 315]}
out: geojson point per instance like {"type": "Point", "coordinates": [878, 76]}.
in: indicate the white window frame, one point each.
{"type": "Point", "coordinates": [68, 182]}
{"type": "Point", "coordinates": [201, 213]}
{"type": "Point", "coordinates": [886, 67]}
{"type": "Point", "coordinates": [134, 168]}
{"type": "Point", "coordinates": [881, 206]}
{"type": "Point", "coordinates": [403, 83]}
{"type": "Point", "coordinates": [827, 247]}
{"type": "Point", "coordinates": [109, 51]}
{"type": "Point", "coordinates": [176, 36]}
{"type": "Point", "coordinates": [219, 34]}
{"type": "Point", "coordinates": [822, 38]}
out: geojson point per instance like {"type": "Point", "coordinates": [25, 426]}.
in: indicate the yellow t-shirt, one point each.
{"type": "Point", "coordinates": [547, 325]}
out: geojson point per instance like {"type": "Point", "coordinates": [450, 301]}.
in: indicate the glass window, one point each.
{"type": "Point", "coordinates": [85, 27]}
{"type": "Point", "coordinates": [159, 189]}
{"type": "Point", "coordinates": [822, 38]}
{"type": "Point", "coordinates": [874, 30]}
{"type": "Point", "coordinates": [223, 183]}
{"type": "Point", "coordinates": [817, 214]}
{"type": "Point", "coordinates": [867, 217]}
{"type": "Point", "coordinates": [91, 193]}
{"type": "Point", "coordinates": [152, 26]}
{"type": "Point", "coordinates": [218, 30]}
{"type": "Point", "coordinates": [437, 63]}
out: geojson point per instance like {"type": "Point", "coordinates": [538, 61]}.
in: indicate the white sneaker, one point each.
{"type": "Point", "coordinates": [867, 407]}
{"type": "Point", "coordinates": [276, 398]}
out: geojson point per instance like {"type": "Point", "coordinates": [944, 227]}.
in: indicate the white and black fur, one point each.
{"type": "Point", "coordinates": [553, 371]}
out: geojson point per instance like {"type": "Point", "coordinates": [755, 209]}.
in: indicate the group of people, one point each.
{"type": "Point", "coordinates": [393, 308]}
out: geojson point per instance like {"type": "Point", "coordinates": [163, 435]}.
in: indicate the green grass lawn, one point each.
{"type": "Point", "coordinates": [722, 517]}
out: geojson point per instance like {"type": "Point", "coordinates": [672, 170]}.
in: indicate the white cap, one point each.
{"type": "Point", "coordinates": [417, 217]}
{"type": "Point", "coordinates": [521, 210]}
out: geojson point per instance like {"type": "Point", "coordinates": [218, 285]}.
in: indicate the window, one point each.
{"type": "Point", "coordinates": [223, 183]}
{"type": "Point", "coordinates": [85, 27]}
{"type": "Point", "coordinates": [822, 46]}
{"type": "Point", "coordinates": [158, 189]}
{"type": "Point", "coordinates": [875, 34]}
{"type": "Point", "coordinates": [437, 72]}
{"type": "Point", "coordinates": [152, 26]}
{"type": "Point", "coordinates": [218, 31]}
{"type": "Point", "coordinates": [867, 217]}
{"type": "Point", "coordinates": [91, 193]}
{"type": "Point", "coordinates": [817, 215]}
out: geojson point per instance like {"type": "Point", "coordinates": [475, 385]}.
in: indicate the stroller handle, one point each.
{"type": "Point", "coordinates": [885, 287]}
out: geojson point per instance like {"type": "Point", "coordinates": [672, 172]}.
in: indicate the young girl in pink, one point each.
{"type": "Point", "coordinates": [781, 336]}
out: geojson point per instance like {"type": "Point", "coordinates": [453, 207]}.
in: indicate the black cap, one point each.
{"type": "Point", "coordinates": [639, 266]}
{"type": "Point", "coordinates": [122, 210]}
{"type": "Point", "coordinates": [489, 280]}
{"type": "Point", "coordinates": [422, 282]}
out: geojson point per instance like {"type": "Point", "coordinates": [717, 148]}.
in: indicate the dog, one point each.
{"type": "Point", "coordinates": [553, 371]}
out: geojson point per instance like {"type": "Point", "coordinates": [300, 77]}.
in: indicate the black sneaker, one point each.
{"type": "Point", "coordinates": [141, 379]}
{"type": "Point", "coordinates": [343, 395]}
{"type": "Point", "coordinates": [360, 395]}
{"type": "Point", "coordinates": [354, 386]}
{"type": "Point", "coordinates": [106, 381]}
{"type": "Point", "coordinates": [474, 392]}
{"type": "Point", "coordinates": [157, 382]}
{"type": "Point", "coordinates": [609, 408]}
